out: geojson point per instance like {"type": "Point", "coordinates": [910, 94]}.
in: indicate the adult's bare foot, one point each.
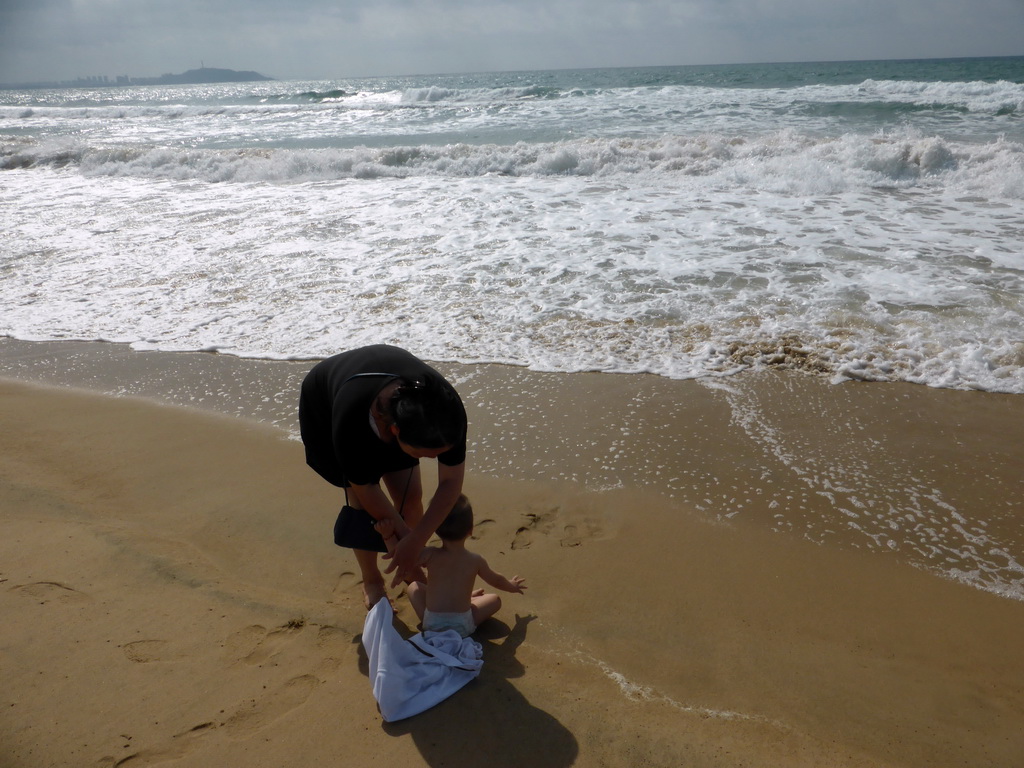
{"type": "Point", "coordinates": [373, 593]}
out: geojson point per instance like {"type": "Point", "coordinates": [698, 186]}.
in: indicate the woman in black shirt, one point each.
{"type": "Point", "coordinates": [369, 415]}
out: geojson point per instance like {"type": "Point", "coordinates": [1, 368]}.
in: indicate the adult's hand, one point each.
{"type": "Point", "coordinates": [404, 559]}
{"type": "Point", "coordinates": [406, 555]}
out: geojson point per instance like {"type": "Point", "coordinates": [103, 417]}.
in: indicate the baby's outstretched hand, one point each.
{"type": "Point", "coordinates": [517, 583]}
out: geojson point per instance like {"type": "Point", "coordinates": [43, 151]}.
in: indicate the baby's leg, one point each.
{"type": "Point", "coordinates": [485, 606]}
{"type": "Point", "coordinates": [417, 592]}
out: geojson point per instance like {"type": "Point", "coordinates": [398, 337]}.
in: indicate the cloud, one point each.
{"type": "Point", "coordinates": [327, 39]}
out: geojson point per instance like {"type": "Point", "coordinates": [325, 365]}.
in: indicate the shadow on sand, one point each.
{"type": "Point", "coordinates": [489, 721]}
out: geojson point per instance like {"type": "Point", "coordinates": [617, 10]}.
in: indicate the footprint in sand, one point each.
{"type": "Point", "coordinates": [147, 651]}
{"type": "Point", "coordinates": [571, 537]}
{"type": "Point", "coordinates": [51, 592]}
{"type": "Point", "coordinates": [481, 529]}
{"type": "Point", "coordinates": [336, 647]}
{"type": "Point", "coordinates": [179, 745]}
{"type": "Point", "coordinates": [573, 533]}
{"type": "Point", "coordinates": [246, 720]}
{"type": "Point", "coordinates": [255, 644]}
{"type": "Point", "coordinates": [239, 645]}
{"type": "Point", "coordinates": [253, 716]}
{"type": "Point", "coordinates": [536, 524]}
{"type": "Point", "coordinates": [347, 588]}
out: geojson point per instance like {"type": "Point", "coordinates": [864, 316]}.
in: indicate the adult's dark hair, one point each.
{"type": "Point", "coordinates": [428, 413]}
{"type": "Point", "coordinates": [459, 522]}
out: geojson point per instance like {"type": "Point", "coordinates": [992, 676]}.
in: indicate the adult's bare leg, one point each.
{"type": "Point", "coordinates": [374, 589]}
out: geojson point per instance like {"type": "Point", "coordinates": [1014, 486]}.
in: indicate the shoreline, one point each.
{"type": "Point", "coordinates": [175, 569]}
{"type": "Point", "coordinates": [927, 476]}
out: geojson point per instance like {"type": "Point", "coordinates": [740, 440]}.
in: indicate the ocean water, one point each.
{"type": "Point", "coordinates": [858, 220]}
{"type": "Point", "coordinates": [855, 220]}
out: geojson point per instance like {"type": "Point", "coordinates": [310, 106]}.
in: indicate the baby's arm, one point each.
{"type": "Point", "coordinates": [386, 529]}
{"type": "Point", "coordinates": [496, 580]}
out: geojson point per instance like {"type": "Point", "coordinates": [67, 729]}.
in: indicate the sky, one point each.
{"type": "Point", "coordinates": [54, 40]}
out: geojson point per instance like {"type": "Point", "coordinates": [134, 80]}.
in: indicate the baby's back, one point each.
{"type": "Point", "coordinates": [451, 576]}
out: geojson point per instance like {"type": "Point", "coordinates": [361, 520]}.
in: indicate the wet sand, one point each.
{"type": "Point", "coordinates": [697, 594]}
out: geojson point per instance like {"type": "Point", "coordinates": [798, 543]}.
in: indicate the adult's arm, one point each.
{"type": "Point", "coordinates": [449, 486]}
{"type": "Point", "coordinates": [373, 499]}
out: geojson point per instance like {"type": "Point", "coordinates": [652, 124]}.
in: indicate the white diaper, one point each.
{"type": "Point", "coordinates": [439, 621]}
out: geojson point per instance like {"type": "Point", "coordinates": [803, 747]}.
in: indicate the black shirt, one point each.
{"type": "Point", "coordinates": [334, 415]}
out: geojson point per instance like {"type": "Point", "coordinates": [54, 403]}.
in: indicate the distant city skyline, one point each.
{"type": "Point", "coordinates": [201, 74]}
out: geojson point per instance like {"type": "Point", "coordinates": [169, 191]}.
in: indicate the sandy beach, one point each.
{"type": "Point", "coordinates": [172, 594]}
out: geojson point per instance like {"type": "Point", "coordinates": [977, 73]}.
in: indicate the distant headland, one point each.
{"type": "Point", "coordinates": [201, 76]}
{"type": "Point", "coordinates": [197, 76]}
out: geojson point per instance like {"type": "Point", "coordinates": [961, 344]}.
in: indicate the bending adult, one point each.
{"type": "Point", "coordinates": [369, 415]}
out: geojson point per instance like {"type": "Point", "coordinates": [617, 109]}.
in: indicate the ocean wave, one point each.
{"type": "Point", "coordinates": [332, 94]}
{"type": "Point", "coordinates": [309, 100]}
{"type": "Point", "coordinates": [432, 94]}
{"type": "Point", "coordinates": [996, 98]}
{"type": "Point", "coordinates": [48, 115]}
{"type": "Point", "coordinates": [785, 161]}
{"type": "Point", "coordinates": [880, 110]}
{"type": "Point", "coordinates": [1000, 97]}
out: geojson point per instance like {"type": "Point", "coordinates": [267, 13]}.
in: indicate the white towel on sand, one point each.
{"type": "Point", "coordinates": [410, 676]}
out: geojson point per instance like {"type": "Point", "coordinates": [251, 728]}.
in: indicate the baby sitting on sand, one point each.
{"type": "Point", "coordinates": [450, 602]}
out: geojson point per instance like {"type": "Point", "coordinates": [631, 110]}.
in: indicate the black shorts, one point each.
{"type": "Point", "coordinates": [354, 529]}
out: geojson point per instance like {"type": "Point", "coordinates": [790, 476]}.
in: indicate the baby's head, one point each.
{"type": "Point", "coordinates": [459, 523]}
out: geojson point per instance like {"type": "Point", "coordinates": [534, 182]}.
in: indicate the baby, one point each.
{"type": "Point", "coordinates": [448, 600]}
